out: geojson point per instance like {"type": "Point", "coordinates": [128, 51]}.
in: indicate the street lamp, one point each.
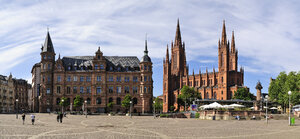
{"type": "Point", "coordinates": [290, 92]}
{"type": "Point", "coordinates": [130, 109]}
{"type": "Point", "coordinates": [62, 106]}
{"type": "Point", "coordinates": [17, 109]}
{"type": "Point", "coordinates": [266, 99]}
{"type": "Point", "coordinates": [85, 108]}
{"type": "Point", "coordinates": [154, 109]}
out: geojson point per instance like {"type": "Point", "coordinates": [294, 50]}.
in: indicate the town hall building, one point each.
{"type": "Point", "coordinates": [98, 79]}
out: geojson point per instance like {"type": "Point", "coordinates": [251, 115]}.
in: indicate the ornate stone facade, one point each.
{"type": "Point", "coordinates": [97, 79]}
{"type": "Point", "coordinates": [219, 84]}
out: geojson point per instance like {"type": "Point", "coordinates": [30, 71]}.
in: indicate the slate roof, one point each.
{"type": "Point", "coordinates": [117, 63]}
{"type": "Point", "coordinates": [48, 46]}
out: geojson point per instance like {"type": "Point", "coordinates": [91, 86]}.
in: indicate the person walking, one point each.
{"type": "Point", "coordinates": [61, 115]}
{"type": "Point", "coordinates": [23, 118]}
{"type": "Point", "coordinates": [32, 118]}
{"type": "Point", "coordinates": [58, 117]}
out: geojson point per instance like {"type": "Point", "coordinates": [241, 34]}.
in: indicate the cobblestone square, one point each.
{"type": "Point", "coordinates": [77, 126]}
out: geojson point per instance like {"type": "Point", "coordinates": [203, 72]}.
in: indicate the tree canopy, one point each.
{"type": "Point", "coordinates": [158, 105]}
{"type": "Point", "coordinates": [188, 95]}
{"type": "Point", "coordinates": [243, 94]}
{"type": "Point", "coordinates": [126, 101]}
{"type": "Point", "coordinates": [279, 87]}
{"type": "Point", "coordinates": [78, 101]}
{"type": "Point", "coordinates": [63, 102]}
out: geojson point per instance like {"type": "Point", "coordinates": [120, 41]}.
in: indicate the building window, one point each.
{"type": "Point", "coordinates": [69, 67]}
{"type": "Point", "coordinates": [44, 57]}
{"type": "Point", "coordinates": [118, 101]}
{"type": "Point", "coordinates": [135, 79]}
{"type": "Point", "coordinates": [110, 78]}
{"type": "Point", "coordinates": [98, 78]}
{"type": "Point", "coordinates": [49, 57]}
{"type": "Point", "coordinates": [111, 68]}
{"type": "Point", "coordinates": [149, 68]}
{"type": "Point", "coordinates": [88, 89]}
{"type": "Point", "coordinates": [101, 67]}
{"type": "Point", "coordinates": [57, 101]}
{"type": "Point", "coordinates": [135, 89]}
{"type": "Point", "coordinates": [81, 89]}
{"type": "Point", "coordinates": [68, 89]}
{"type": "Point", "coordinates": [222, 92]}
{"type": "Point", "coordinates": [75, 89]}
{"type": "Point", "coordinates": [135, 101]}
{"type": "Point", "coordinates": [145, 78]}
{"type": "Point", "coordinates": [98, 90]}
{"type": "Point", "coordinates": [88, 101]}
{"type": "Point", "coordinates": [119, 69]}
{"type": "Point", "coordinates": [96, 66]}
{"type": "Point", "coordinates": [118, 78]}
{"type": "Point", "coordinates": [149, 89]}
{"type": "Point", "coordinates": [58, 78]}
{"type": "Point", "coordinates": [126, 79]}
{"type": "Point", "coordinates": [69, 79]}
{"type": "Point", "coordinates": [118, 89]}
{"type": "Point", "coordinates": [215, 95]}
{"type": "Point", "coordinates": [207, 95]}
{"type": "Point", "coordinates": [110, 100]}
{"type": "Point", "coordinates": [49, 66]}
{"type": "Point", "coordinates": [48, 91]}
{"type": "Point", "coordinates": [98, 100]}
{"type": "Point", "coordinates": [222, 80]}
{"type": "Point", "coordinates": [222, 98]}
{"type": "Point", "coordinates": [145, 89]}
{"type": "Point", "coordinates": [204, 82]}
{"type": "Point", "coordinates": [126, 89]}
{"type": "Point", "coordinates": [81, 78]}
{"type": "Point", "coordinates": [88, 78]}
{"type": "Point", "coordinates": [110, 89]}
{"type": "Point", "coordinates": [48, 79]}
{"type": "Point", "coordinates": [58, 89]}
{"type": "Point", "coordinates": [75, 78]}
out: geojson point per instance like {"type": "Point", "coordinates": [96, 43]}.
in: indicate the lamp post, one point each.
{"type": "Point", "coordinates": [85, 108]}
{"type": "Point", "coordinates": [289, 93]}
{"type": "Point", "coordinates": [130, 109]}
{"type": "Point", "coordinates": [62, 106]}
{"type": "Point", "coordinates": [17, 109]}
{"type": "Point", "coordinates": [266, 99]}
{"type": "Point", "coordinates": [154, 109]}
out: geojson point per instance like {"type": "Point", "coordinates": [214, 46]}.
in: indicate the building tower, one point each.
{"type": "Point", "coordinates": [223, 53]}
{"type": "Point", "coordinates": [47, 68]}
{"type": "Point", "coordinates": [146, 88]}
{"type": "Point", "coordinates": [258, 89]}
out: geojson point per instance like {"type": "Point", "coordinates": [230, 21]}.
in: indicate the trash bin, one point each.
{"type": "Point", "coordinates": [292, 120]}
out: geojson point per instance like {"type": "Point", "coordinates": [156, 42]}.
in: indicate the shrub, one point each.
{"type": "Point", "coordinates": [164, 115]}
{"type": "Point", "coordinates": [197, 115]}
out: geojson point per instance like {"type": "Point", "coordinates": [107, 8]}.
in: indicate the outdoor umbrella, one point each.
{"type": "Point", "coordinates": [236, 105]}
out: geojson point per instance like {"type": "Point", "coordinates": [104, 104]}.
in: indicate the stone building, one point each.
{"type": "Point", "coordinates": [7, 94]}
{"type": "Point", "coordinates": [21, 93]}
{"type": "Point", "coordinates": [98, 79]}
{"type": "Point", "coordinates": [218, 85]}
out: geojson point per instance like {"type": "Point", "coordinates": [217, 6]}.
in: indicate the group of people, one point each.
{"type": "Point", "coordinates": [32, 118]}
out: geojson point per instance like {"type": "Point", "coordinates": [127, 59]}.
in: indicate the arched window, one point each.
{"type": "Point", "coordinates": [135, 101]}
{"type": "Point", "coordinates": [118, 101]}
{"type": "Point", "coordinates": [88, 101]}
{"type": "Point", "coordinates": [110, 100]}
{"type": "Point", "coordinates": [207, 95]}
{"type": "Point", "coordinates": [57, 101]}
{"type": "Point", "coordinates": [98, 100]}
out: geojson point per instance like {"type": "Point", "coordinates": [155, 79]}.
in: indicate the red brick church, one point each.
{"type": "Point", "coordinates": [219, 85]}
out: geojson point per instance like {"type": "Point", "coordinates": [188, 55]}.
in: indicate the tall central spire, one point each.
{"type": "Point", "coordinates": [178, 34]}
{"type": "Point", "coordinates": [48, 46]}
{"type": "Point", "coordinates": [224, 40]}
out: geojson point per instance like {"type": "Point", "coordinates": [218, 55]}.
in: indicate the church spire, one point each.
{"type": "Point", "coordinates": [48, 46]}
{"type": "Point", "coordinates": [178, 34]}
{"type": "Point", "coordinates": [167, 54]}
{"type": "Point", "coordinates": [223, 41]}
{"type": "Point", "coordinates": [232, 43]}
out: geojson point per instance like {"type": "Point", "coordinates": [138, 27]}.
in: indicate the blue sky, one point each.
{"type": "Point", "coordinates": [267, 33]}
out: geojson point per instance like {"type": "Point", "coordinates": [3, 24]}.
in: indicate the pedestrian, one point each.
{"type": "Point", "coordinates": [23, 118]}
{"type": "Point", "coordinates": [61, 115]}
{"type": "Point", "coordinates": [32, 118]}
{"type": "Point", "coordinates": [57, 117]}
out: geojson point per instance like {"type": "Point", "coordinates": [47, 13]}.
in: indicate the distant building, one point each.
{"type": "Point", "coordinates": [21, 93]}
{"type": "Point", "coordinates": [7, 94]}
{"type": "Point", "coordinates": [219, 85]}
{"type": "Point", "coordinates": [98, 80]}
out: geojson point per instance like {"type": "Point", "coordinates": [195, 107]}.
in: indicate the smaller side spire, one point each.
{"type": "Point", "coordinates": [167, 54]}
{"type": "Point", "coordinates": [59, 56]}
{"type": "Point", "coordinates": [193, 72]}
{"type": "Point", "coordinates": [232, 43]}
{"type": "Point", "coordinates": [223, 41]}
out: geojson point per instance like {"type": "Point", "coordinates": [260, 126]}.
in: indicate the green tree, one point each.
{"type": "Point", "coordinates": [243, 94]}
{"type": "Point", "coordinates": [110, 105]}
{"type": "Point", "coordinates": [63, 102]}
{"type": "Point", "coordinates": [158, 105]}
{"type": "Point", "coordinates": [279, 87]}
{"type": "Point", "coordinates": [78, 101]}
{"type": "Point", "coordinates": [188, 94]}
{"type": "Point", "coordinates": [126, 102]}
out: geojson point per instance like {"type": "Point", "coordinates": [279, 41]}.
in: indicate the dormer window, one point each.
{"type": "Point", "coordinates": [98, 56]}
{"type": "Point", "coordinates": [81, 68]}
{"type": "Point", "coordinates": [96, 66]}
{"type": "Point", "coordinates": [44, 57]}
{"type": "Point", "coordinates": [126, 68]}
{"type": "Point", "coordinates": [119, 68]}
{"type": "Point", "coordinates": [59, 67]}
{"type": "Point", "coordinates": [49, 57]}
{"type": "Point", "coordinates": [110, 68]}
{"type": "Point", "coordinates": [101, 66]}
{"type": "Point", "coordinates": [145, 67]}
{"type": "Point", "coordinates": [69, 67]}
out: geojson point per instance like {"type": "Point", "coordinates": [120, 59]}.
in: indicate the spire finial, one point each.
{"type": "Point", "coordinates": [178, 34]}
{"type": "Point", "coordinates": [146, 49]}
{"type": "Point", "coordinates": [58, 55]}
{"type": "Point", "coordinates": [224, 33]}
